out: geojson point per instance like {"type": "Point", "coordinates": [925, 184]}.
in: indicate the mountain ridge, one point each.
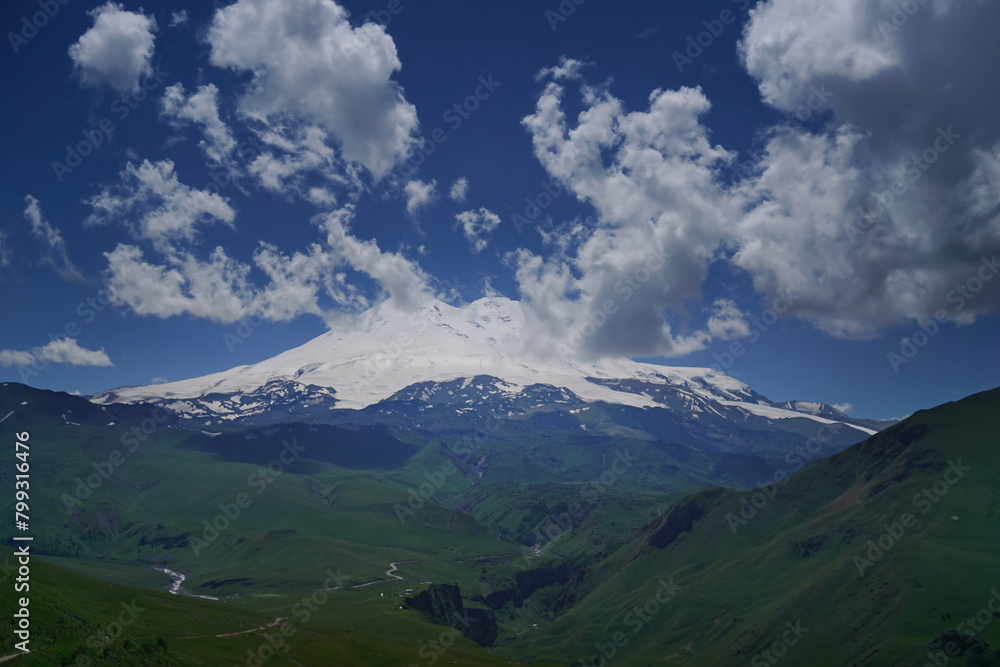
{"type": "Point", "coordinates": [386, 352]}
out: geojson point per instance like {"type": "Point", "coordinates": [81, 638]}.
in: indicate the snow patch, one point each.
{"type": "Point", "coordinates": [460, 344]}
{"type": "Point", "coordinates": [781, 413]}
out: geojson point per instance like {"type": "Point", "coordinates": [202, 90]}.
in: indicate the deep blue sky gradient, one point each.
{"type": "Point", "coordinates": [444, 48]}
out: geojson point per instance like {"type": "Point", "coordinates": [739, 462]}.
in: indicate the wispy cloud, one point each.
{"type": "Point", "coordinates": [200, 108]}
{"type": "Point", "coordinates": [56, 255]}
{"type": "Point", "coordinates": [477, 226]}
{"type": "Point", "coordinates": [459, 189]}
{"type": "Point", "coordinates": [419, 194]}
{"type": "Point", "coordinates": [178, 19]}
{"type": "Point", "coordinates": [5, 250]}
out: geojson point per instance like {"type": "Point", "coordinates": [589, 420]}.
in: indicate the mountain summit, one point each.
{"type": "Point", "coordinates": [387, 354]}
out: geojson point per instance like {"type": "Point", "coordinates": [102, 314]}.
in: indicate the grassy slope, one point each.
{"type": "Point", "coordinates": [794, 560]}
{"type": "Point", "coordinates": [738, 589]}
{"type": "Point", "coordinates": [152, 506]}
{"type": "Point", "coordinates": [313, 518]}
{"type": "Point", "coordinates": [71, 614]}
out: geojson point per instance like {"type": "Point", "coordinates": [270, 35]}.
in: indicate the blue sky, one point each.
{"type": "Point", "coordinates": [836, 161]}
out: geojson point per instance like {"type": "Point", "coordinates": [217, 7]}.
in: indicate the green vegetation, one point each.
{"type": "Point", "coordinates": [559, 553]}
{"type": "Point", "coordinates": [77, 620]}
{"type": "Point", "coordinates": [803, 557]}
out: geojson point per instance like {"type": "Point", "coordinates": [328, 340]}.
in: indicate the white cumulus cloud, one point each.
{"type": "Point", "coordinates": [876, 202]}
{"type": "Point", "coordinates": [877, 213]}
{"type": "Point", "coordinates": [117, 50]}
{"type": "Point", "coordinates": [221, 289]}
{"type": "Point", "coordinates": [156, 206]}
{"type": "Point", "coordinates": [310, 64]}
{"type": "Point", "coordinates": [398, 277]}
{"type": "Point", "coordinates": [216, 290]}
{"type": "Point", "coordinates": [59, 351]}
{"type": "Point", "coordinates": [727, 322]}
{"type": "Point", "coordinates": [660, 216]}
{"type": "Point", "coordinates": [285, 169]}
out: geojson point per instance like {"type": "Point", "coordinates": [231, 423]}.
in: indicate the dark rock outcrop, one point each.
{"type": "Point", "coordinates": [679, 519]}
{"type": "Point", "coordinates": [442, 604]}
{"type": "Point", "coordinates": [526, 583]}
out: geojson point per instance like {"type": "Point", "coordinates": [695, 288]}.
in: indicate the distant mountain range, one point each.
{"type": "Point", "coordinates": [442, 363]}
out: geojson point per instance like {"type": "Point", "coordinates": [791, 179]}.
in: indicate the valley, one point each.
{"type": "Point", "coordinates": [528, 542]}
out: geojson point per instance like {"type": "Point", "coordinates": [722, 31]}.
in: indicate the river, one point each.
{"type": "Point", "coordinates": [176, 586]}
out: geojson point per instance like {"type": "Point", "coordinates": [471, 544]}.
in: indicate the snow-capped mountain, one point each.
{"type": "Point", "coordinates": [464, 357]}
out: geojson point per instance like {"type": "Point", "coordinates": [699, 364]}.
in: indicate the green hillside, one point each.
{"type": "Point", "coordinates": [803, 572]}
{"type": "Point", "coordinates": [78, 620]}
{"type": "Point", "coordinates": [600, 550]}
